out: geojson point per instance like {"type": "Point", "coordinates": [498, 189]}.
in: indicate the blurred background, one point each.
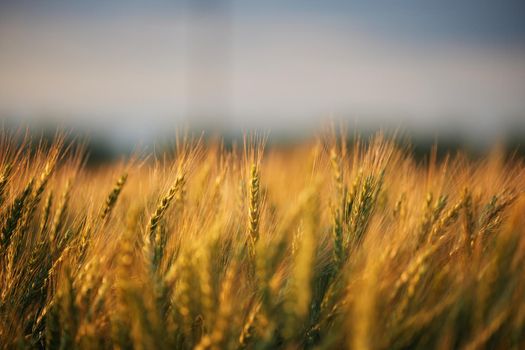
{"type": "Point", "coordinates": [132, 72]}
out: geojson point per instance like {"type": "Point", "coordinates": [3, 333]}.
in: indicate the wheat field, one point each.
{"type": "Point", "coordinates": [325, 245]}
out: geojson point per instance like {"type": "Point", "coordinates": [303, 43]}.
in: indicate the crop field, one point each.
{"type": "Point", "coordinates": [323, 245]}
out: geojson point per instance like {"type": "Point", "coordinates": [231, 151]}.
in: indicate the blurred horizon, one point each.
{"type": "Point", "coordinates": [135, 71]}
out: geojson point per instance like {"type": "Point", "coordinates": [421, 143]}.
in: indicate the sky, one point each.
{"type": "Point", "coordinates": [135, 69]}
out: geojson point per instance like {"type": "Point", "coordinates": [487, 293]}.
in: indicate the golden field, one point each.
{"type": "Point", "coordinates": [325, 245]}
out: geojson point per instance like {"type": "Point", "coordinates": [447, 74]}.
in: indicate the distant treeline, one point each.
{"type": "Point", "coordinates": [100, 149]}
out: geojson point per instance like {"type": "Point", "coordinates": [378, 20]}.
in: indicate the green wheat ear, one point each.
{"type": "Point", "coordinates": [4, 179]}
{"type": "Point", "coordinates": [113, 196]}
{"type": "Point", "coordinates": [176, 191]}
{"type": "Point", "coordinates": [156, 234]}
{"type": "Point", "coordinates": [46, 210]}
{"type": "Point", "coordinates": [14, 215]}
{"type": "Point", "coordinates": [253, 209]}
{"type": "Point", "coordinates": [60, 214]}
